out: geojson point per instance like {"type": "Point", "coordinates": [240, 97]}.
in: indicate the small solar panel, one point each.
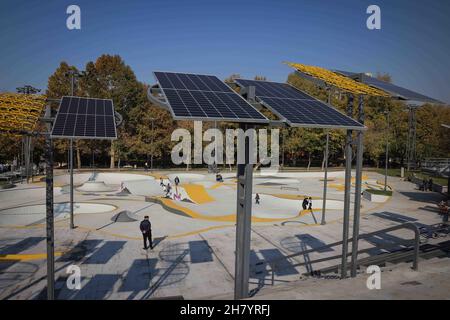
{"type": "Point", "coordinates": [85, 118]}
{"type": "Point", "coordinates": [204, 97]}
{"type": "Point", "coordinates": [298, 108]}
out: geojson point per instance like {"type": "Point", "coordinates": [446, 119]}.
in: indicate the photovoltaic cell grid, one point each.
{"type": "Point", "coordinates": [297, 107]}
{"type": "Point", "coordinates": [389, 87]}
{"type": "Point", "coordinates": [203, 97]}
{"type": "Point", "coordinates": [85, 118]}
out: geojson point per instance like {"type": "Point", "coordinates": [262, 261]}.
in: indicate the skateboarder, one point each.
{"type": "Point", "coordinates": [146, 229]}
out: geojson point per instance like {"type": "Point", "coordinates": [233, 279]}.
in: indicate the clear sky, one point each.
{"type": "Point", "coordinates": [224, 37]}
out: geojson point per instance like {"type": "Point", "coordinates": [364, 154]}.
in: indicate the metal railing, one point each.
{"type": "Point", "coordinates": [409, 225]}
{"type": "Point", "coordinates": [438, 166]}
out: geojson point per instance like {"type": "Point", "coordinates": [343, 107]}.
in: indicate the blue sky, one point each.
{"type": "Point", "coordinates": [224, 37]}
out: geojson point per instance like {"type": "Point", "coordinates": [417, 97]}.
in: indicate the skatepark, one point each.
{"type": "Point", "coordinates": [193, 233]}
{"type": "Point", "coordinates": [201, 200]}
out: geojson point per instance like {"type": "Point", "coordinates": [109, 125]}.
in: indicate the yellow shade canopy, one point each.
{"type": "Point", "coordinates": [20, 112]}
{"type": "Point", "coordinates": [336, 80]}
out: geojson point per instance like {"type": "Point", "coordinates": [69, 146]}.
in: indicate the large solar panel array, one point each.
{"type": "Point", "coordinates": [393, 89]}
{"type": "Point", "coordinates": [204, 97]}
{"type": "Point", "coordinates": [298, 108]}
{"type": "Point", "coordinates": [85, 118]}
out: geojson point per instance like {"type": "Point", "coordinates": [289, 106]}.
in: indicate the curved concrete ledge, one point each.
{"type": "Point", "coordinates": [375, 197]}
{"type": "Point", "coordinates": [95, 186]}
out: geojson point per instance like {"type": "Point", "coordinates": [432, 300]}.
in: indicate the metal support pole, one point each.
{"type": "Point", "coordinates": [72, 225]}
{"type": "Point", "coordinates": [153, 147]}
{"type": "Point", "coordinates": [387, 153]}
{"type": "Point", "coordinates": [27, 157]}
{"type": "Point", "coordinates": [325, 177]}
{"type": "Point", "coordinates": [358, 182]}
{"type": "Point", "coordinates": [408, 142]}
{"type": "Point", "coordinates": [348, 185]}
{"type": "Point", "coordinates": [243, 223]}
{"type": "Point", "coordinates": [32, 159]}
{"type": "Point", "coordinates": [325, 181]}
{"type": "Point", "coordinates": [414, 138]}
{"type": "Point", "coordinates": [49, 212]}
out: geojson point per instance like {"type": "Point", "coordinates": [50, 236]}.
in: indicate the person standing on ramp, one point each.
{"type": "Point", "coordinates": [146, 229]}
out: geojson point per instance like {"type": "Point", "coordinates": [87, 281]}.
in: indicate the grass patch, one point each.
{"type": "Point", "coordinates": [380, 192]}
{"type": "Point", "coordinates": [390, 172]}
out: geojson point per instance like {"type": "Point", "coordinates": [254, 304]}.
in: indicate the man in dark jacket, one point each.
{"type": "Point", "coordinates": [146, 229]}
{"type": "Point", "coordinates": [305, 203]}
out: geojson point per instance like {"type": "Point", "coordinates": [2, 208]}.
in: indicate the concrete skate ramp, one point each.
{"type": "Point", "coordinates": [186, 177]}
{"type": "Point", "coordinates": [197, 193]}
{"type": "Point", "coordinates": [145, 187]}
{"type": "Point", "coordinates": [118, 178]}
{"type": "Point", "coordinates": [124, 216]}
{"type": "Point", "coordinates": [35, 214]}
{"type": "Point", "coordinates": [78, 178]}
{"type": "Point", "coordinates": [276, 181]}
{"type": "Point", "coordinates": [306, 174]}
{"type": "Point", "coordinates": [96, 186]}
{"type": "Point", "coordinates": [107, 177]}
{"type": "Point", "coordinates": [22, 194]}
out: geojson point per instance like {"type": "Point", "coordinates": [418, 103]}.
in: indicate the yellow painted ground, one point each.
{"type": "Point", "coordinates": [225, 218]}
{"type": "Point", "coordinates": [26, 257]}
{"type": "Point", "coordinates": [197, 193]}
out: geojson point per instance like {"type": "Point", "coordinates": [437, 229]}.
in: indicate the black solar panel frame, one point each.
{"type": "Point", "coordinates": [97, 122]}
{"type": "Point", "coordinates": [223, 94]}
{"type": "Point", "coordinates": [264, 100]}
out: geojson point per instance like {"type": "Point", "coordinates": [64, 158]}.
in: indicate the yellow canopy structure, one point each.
{"type": "Point", "coordinates": [20, 112]}
{"type": "Point", "coordinates": [337, 80]}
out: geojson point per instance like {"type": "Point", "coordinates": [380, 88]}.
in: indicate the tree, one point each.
{"type": "Point", "coordinates": [109, 77]}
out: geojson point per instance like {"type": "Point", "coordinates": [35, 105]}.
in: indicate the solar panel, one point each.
{"type": "Point", "coordinates": [298, 108]}
{"type": "Point", "coordinates": [393, 89]}
{"type": "Point", "coordinates": [204, 97]}
{"type": "Point", "coordinates": [396, 90]}
{"type": "Point", "coordinates": [85, 118]}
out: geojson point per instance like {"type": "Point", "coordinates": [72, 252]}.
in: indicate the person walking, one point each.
{"type": "Point", "coordinates": [146, 229]}
{"type": "Point", "coordinates": [257, 198]}
{"type": "Point", "coordinates": [305, 203]}
{"type": "Point", "coordinates": [168, 189]}
{"type": "Point", "coordinates": [430, 184]}
{"type": "Point", "coordinates": [310, 204]}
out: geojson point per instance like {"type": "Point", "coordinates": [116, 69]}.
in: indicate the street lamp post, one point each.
{"type": "Point", "coordinates": [72, 73]}
{"type": "Point", "coordinates": [151, 141]}
{"type": "Point", "coordinates": [387, 151]}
